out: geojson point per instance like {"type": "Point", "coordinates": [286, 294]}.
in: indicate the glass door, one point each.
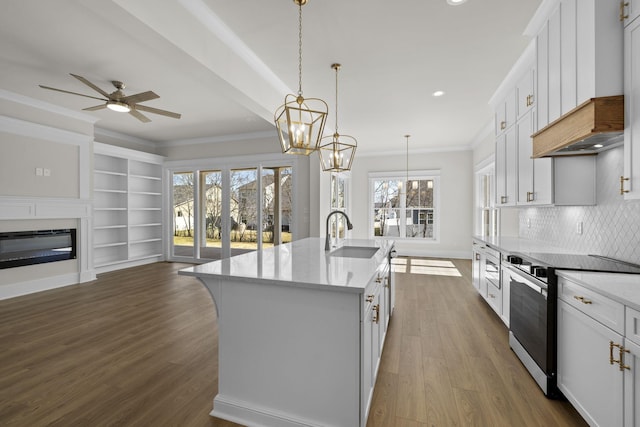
{"type": "Point", "coordinates": [243, 205]}
{"type": "Point", "coordinates": [210, 218]}
{"type": "Point", "coordinates": [183, 214]}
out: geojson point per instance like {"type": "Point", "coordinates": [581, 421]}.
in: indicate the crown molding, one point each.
{"type": "Point", "coordinates": [218, 139]}
{"type": "Point", "coordinates": [46, 106]}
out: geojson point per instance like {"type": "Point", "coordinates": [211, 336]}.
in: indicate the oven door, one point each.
{"type": "Point", "coordinates": [529, 315]}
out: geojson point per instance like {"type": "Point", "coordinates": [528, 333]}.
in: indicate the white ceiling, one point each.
{"type": "Point", "coordinates": [226, 65]}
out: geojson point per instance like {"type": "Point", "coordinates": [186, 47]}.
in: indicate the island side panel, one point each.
{"type": "Point", "coordinates": [289, 352]}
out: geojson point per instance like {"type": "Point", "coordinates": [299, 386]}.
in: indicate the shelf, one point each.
{"type": "Point", "coordinates": [104, 190]}
{"type": "Point", "coordinates": [145, 193]}
{"type": "Point", "coordinates": [135, 242]}
{"type": "Point", "coordinates": [107, 227]}
{"type": "Point", "coordinates": [109, 245]}
{"type": "Point", "coordinates": [109, 209]}
{"type": "Point", "coordinates": [150, 224]}
{"type": "Point", "coordinates": [145, 209]}
{"type": "Point", "coordinates": [106, 172]}
{"type": "Point", "coordinates": [152, 178]}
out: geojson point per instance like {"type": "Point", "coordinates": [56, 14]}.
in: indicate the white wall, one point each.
{"type": "Point", "coordinates": [456, 195]}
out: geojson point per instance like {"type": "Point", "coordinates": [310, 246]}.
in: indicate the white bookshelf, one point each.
{"type": "Point", "coordinates": [127, 208]}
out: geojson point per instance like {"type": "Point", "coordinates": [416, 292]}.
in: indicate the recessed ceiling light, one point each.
{"type": "Point", "coordinates": [455, 2]}
{"type": "Point", "coordinates": [598, 146]}
{"type": "Point", "coordinates": [438, 93]}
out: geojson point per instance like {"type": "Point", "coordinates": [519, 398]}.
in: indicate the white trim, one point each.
{"type": "Point", "coordinates": [485, 164]}
{"type": "Point", "coordinates": [415, 151]}
{"type": "Point", "coordinates": [427, 173]}
{"type": "Point", "coordinates": [540, 17]}
{"type": "Point", "coordinates": [19, 208]}
{"type": "Point", "coordinates": [236, 161]}
{"type": "Point", "coordinates": [47, 133]}
{"type": "Point", "coordinates": [126, 153]}
{"type": "Point", "coordinates": [13, 290]}
{"type": "Point", "coordinates": [42, 105]}
{"type": "Point", "coordinates": [245, 413]}
{"type": "Point", "coordinates": [123, 137]}
{"type": "Point", "coordinates": [219, 139]}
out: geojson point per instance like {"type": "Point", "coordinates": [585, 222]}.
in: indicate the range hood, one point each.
{"type": "Point", "coordinates": [593, 126]}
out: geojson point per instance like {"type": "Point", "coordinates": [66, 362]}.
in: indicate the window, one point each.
{"type": "Point", "coordinates": [404, 208]}
{"type": "Point", "coordinates": [486, 213]}
{"type": "Point", "coordinates": [337, 223]}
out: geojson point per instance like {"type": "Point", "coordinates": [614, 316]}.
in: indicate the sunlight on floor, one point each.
{"type": "Point", "coordinates": [432, 267]}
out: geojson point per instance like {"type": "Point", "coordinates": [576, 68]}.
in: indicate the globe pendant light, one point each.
{"type": "Point", "coordinates": [336, 155]}
{"type": "Point", "coordinates": [300, 122]}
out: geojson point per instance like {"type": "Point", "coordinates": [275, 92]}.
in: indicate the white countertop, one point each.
{"type": "Point", "coordinates": [624, 288]}
{"type": "Point", "coordinates": [302, 263]}
{"type": "Point", "coordinates": [522, 246]}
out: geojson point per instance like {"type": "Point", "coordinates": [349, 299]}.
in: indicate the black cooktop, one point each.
{"type": "Point", "coordinates": [581, 262]}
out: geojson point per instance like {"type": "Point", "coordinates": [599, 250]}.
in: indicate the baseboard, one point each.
{"type": "Point", "coordinates": [13, 290]}
{"type": "Point", "coordinates": [244, 413]}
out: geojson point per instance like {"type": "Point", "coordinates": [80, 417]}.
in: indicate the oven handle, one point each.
{"type": "Point", "coordinates": [514, 277]}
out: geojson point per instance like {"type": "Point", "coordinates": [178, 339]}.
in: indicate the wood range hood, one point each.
{"type": "Point", "coordinates": [593, 126]}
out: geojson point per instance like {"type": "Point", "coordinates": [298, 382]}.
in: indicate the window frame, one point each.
{"type": "Point", "coordinates": [433, 175]}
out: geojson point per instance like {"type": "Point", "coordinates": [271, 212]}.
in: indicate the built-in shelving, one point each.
{"type": "Point", "coordinates": [127, 213]}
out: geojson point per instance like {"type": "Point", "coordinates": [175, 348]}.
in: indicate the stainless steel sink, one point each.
{"type": "Point", "coordinates": [354, 252]}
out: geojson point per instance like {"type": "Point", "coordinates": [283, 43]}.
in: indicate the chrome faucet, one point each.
{"type": "Point", "coordinates": [327, 246]}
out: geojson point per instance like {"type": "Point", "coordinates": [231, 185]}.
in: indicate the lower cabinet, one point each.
{"type": "Point", "coordinates": [598, 356]}
{"type": "Point", "coordinates": [487, 279]}
{"type": "Point", "coordinates": [586, 375]}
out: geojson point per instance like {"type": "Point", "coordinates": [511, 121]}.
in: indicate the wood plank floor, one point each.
{"type": "Point", "coordinates": [138, 347]}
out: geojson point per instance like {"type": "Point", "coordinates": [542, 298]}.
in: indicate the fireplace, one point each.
{"type": "Point", "coordinates": [20, 248]}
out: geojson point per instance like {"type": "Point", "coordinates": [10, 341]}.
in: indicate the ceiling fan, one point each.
{"type": "Point", "coordinates": [118, 101]}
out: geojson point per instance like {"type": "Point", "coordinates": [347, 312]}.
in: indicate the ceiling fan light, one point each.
{"type": "Point", "coordinates": [120, 107]}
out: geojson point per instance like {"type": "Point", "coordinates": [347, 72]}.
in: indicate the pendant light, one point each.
{"type": "Point", "coordinates": [300, 121]}
{"type": "Point", "coordinates": [414, 184]}
{"type": "Point", "coordinates": [336, 155]}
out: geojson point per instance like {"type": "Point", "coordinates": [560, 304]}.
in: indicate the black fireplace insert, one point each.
{"type": "Point", "coordinates": [20, 248]}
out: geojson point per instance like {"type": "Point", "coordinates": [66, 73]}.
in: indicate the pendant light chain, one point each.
{"type": "Point", "coordinates": [337, 67]}
{"type": "Point", "coordinates": [300, 49]}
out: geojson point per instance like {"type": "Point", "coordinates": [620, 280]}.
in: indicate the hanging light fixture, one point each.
{"type": "Point", "coordinates": [414, 184]}
{"type": "Point", "coordinates": [300, 121]}
{"type": "Point", "coordinates": [336, 155]}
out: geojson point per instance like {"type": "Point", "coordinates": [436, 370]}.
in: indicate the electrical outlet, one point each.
{"type": "Point", "coordinates": [38, 171]}
{"type": "Point", "coordinates": [579, 227]}
{"type": "Point", "coordinates": [528, 222]}
{"type": "Point", "coordinates": [47, 172]}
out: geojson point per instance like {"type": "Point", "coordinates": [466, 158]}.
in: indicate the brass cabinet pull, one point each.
{"type": "Point", "coordinates": [378, 279]}
{"type": "Point", "coordinates": [583, 299]}
{"type": "Point", "coordinates": [623, 4]}
{"type": "Point", "coordinates": [386, 281]}
{"type": "Point", "coordinates": [529, 100]}
{"type": "Point", "coordinates": [622, 190]}
{"type": "Point", "coordinates": [477, 257]}
{"type": "Point", "coordinates": [376, 309]}
{"type": "Point", "coordinates": [503, 125]}
{"type": "Point", "coordinates": [492, 296]}
{"type": "Point", "coordinates": [620, 359]}
{"type": "Point", "coordinates": [503, 199]}
{"type": "Point", "coordinates": [370, 298]}
{"type": "Point", "coordinates": [530, 197]}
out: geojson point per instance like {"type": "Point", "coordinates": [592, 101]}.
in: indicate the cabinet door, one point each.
{"type": "Point", "coordinates": [525, 92]}
{"type": "Point", "coordinates": [511, 159]}
{"type": "Point", "coordinates": [506, 295]}
{"type": "Point", "coordinates": [632, 110]}
{"type": "Point", "coordinates": [542, 74]}
{"type": "Point", "coordinates": [568, 52]}
{"type": "Point", "coordinates": [585, 375]}
{"type": "Point", "coordinates": [525, 162]}
{"type": "Point", "coordinates": [554, 66]}
{"type": "Point", "coordinates": [630, 11]}
{"type": "Point", "coordinates": [632, 385]}
{"type": "Point", "coordinates": [367, 361]}
{"type": "Point", "coordinates": [501, 170]}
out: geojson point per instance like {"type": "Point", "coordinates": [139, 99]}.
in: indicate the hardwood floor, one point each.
{"type": "Point", "coordinates": [138, 347]}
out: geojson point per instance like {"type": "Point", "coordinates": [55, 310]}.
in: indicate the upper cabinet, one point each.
{"type": "Point", "coordinates": [630, 182]}
{"type": "Point", "coordinates": [505, 112]}
{"type": "Point", "coordinates": [629, 11]}
{"type": "Point", "coordinates": [578, 54]}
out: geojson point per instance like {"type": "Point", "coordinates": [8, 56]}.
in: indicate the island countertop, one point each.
{"type": "Point", "coordinates": [302, 263]}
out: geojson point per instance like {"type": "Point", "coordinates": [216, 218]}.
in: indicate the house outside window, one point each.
{"type": "Point", "coordinates": [404, 207]}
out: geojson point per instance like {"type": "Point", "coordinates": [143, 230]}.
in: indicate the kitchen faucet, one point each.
{"type": "Point", "coordinates": [327, 246]}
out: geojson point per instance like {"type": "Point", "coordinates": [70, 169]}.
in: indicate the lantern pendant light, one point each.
{"type": "Point", "coordinates": [300, 122]}
{"type": "Point", "coordinates": [336, 155]}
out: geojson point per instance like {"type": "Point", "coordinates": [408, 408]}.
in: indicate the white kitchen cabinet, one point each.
{"type": "Point", "coordinates": [630, 10]}
{"type": "Point", "coordinates": [585, 376]}
{"type": "Point", "coordinates": [477, 262]}
{"type": "Point", "coordinates": [630, 182]}
{"type": "Point", "coordinates": [127, 208]}
{"type": "Point", "coordinates": [506, 294]}
{"type": "Point", "coordinates": [506, 168]}
{"type": "Point", "coordinates": [525, 93]}
{"type": "Point", "coordinates": [578, 56]}
{"type": "Point", "coordinates": [505, 112]}
{"type": "Point", "coordinates": [632, 384]}
{"type": "Point", "coordinates": [535, 176]}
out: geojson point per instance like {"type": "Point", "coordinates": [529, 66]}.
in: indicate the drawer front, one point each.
{"type": "Point", "coordinates": [494, 298]}
{"type": "Point", "coordinates": [632, 325]}
{"type": "Point", "coordinates": [604, 310]}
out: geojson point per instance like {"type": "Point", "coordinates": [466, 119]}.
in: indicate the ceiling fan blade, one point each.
{"type": "Point", "coordinates": [72, 93]}
{"type": "Point", "coordinates": [138, 115]}
{"type": "Point", "coordinates": [157, 111]}
{"type": "Point", "coordinates": [139, 97]}
{"type": "Point", "coordinates": [91, 85]}
{"type": "Point", "coordinates": [96, 108]}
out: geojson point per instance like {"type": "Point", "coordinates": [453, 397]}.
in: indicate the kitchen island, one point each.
{"type": "Point", "coordinates": [300, 331]}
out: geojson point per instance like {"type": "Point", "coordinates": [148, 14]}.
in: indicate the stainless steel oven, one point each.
{"type": "Point", "coordinates": [532, 327]}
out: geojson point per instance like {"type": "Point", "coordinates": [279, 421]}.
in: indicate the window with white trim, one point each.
{"type": "Point", "coordinates": [404, 206]}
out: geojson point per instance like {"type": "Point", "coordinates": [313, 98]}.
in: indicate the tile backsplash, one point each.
{"type": "Point", "coordinates": [611, 228]}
